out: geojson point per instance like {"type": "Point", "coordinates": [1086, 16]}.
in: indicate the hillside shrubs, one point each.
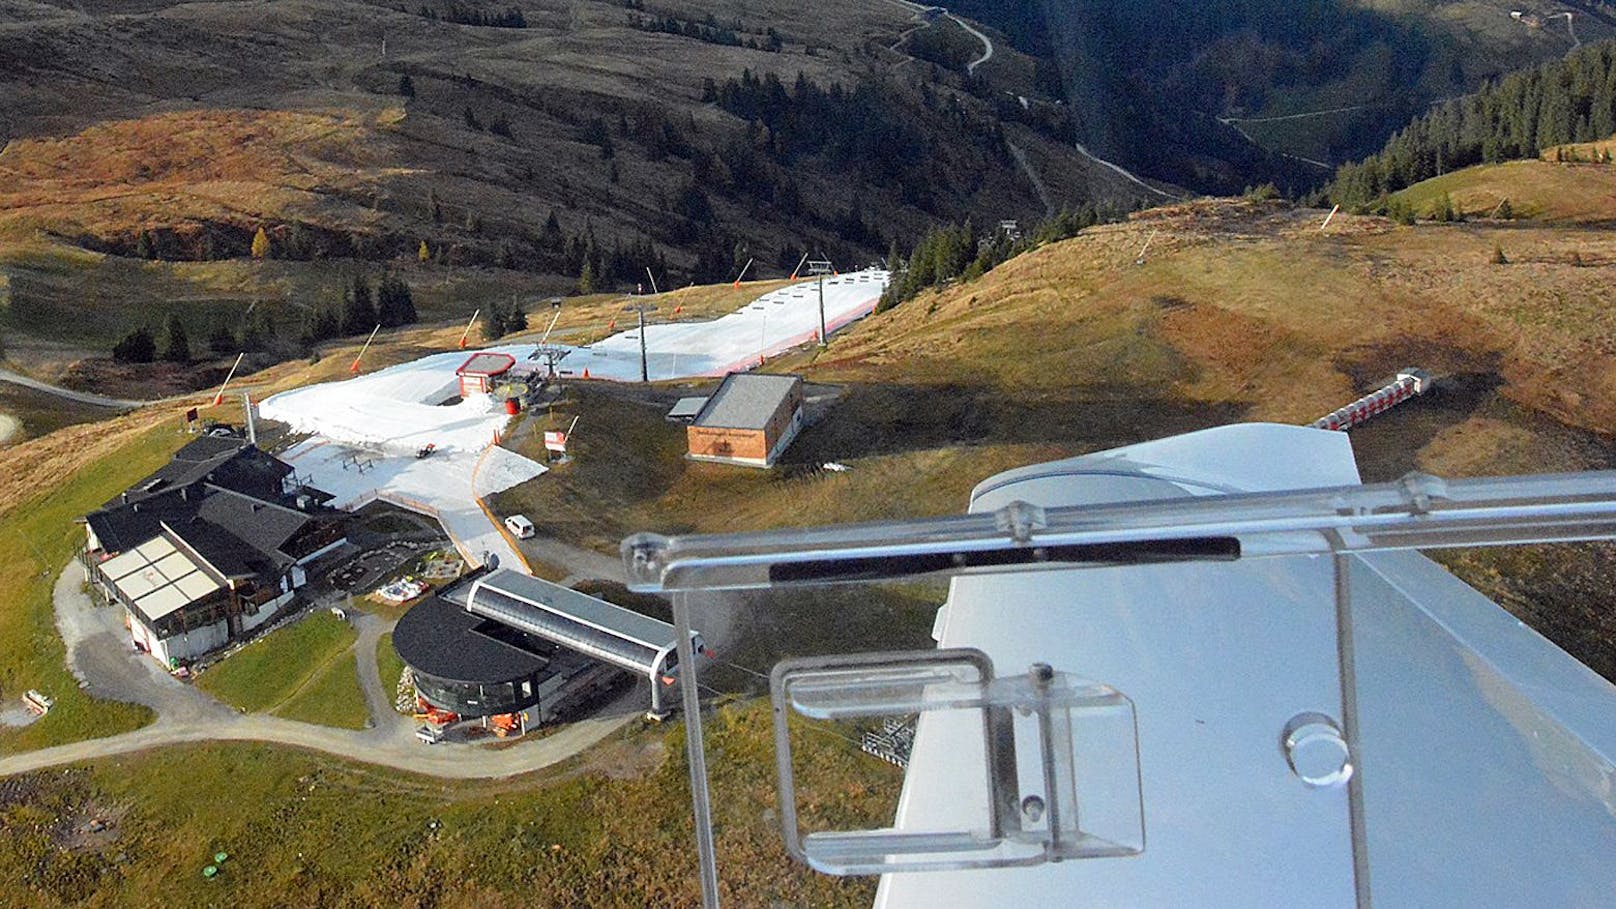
{"type": "Point", "coordinates": [953, 252]}
{"type": "Point", "coordinates": [136, 347]}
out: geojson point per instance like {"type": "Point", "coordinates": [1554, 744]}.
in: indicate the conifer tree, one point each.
{"type": "Point", "coordinates": [177, 347]}
{"type": "Point", "coordinates": [260, 245]}
{"type": "Point", "coordinates": [359, 313]}
{"type": "Point", "coordinates": [222, 341]}
{"type": "Point", "coordinates": [135, 347]}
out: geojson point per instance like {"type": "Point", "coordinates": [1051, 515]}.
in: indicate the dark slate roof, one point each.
{"type": "Point", "coordinates": [265, 526]}
{"type": "Point", "coordinates": [228, 555]}
{"type": "Point", "coordinates": [224, 461]}
{"type": "Point", "coordinates": [444, 641]}
{"type": "Point", "coordinates": [746, 400]}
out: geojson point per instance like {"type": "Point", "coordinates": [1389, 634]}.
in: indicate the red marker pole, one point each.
{"type": "Point", "coordinates": [467, 333]}
{"type": "Point", "coordinates": [219, 398]}
{"type": "Point", "coordinates": [355, 367]}
{"type": "Point", "coordinates": [743, 273]}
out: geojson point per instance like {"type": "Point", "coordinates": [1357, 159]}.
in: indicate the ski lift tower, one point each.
{"type": "Point", "coordinates": [819, 268]}
{"type": "Point", "coordinates": [642, 309]}
{"type": "Point", "coordinates": [550, 354]}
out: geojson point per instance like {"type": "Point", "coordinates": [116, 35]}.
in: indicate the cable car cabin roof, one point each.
{"type": "Point", "coordinates": [486, 364]}
{"type": "Point", "coordinates": [574, 620]}
{"type": "Point", "coordinates": [1486, 753]}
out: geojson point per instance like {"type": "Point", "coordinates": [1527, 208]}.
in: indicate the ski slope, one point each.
{"type": "Point", "coordinates": [365, 431]}
{"type": "Point", "coordinates": [774, 322]}
{"type": "Point", "coordinates": [396, 410]}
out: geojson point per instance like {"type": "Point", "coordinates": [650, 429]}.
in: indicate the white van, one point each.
{"type": "Point", "coordinates": [520, 526]}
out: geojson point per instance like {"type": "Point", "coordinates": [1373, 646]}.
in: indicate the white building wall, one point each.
{"type": "Point", "coordinates": [192, 644]}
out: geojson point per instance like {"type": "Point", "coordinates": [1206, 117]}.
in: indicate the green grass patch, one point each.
{"type": "Point", "coordinates": [612, 830]}
{"type": "Point", "coordinates": [39, 538]}
{"type": "Point", "coordinates": [389, 665]}
{"type": "Point", "coordinates": [273, 670]}
{"type": "Point", "coordinates": [331, 698]}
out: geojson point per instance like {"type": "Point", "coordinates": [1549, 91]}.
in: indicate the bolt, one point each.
{"type": "Point", "coordinates": [1032, 808]}
{"type": "Point", "coordinates": [1041, 674]}
{"type": "Point", "coordinates": [1317, 750]}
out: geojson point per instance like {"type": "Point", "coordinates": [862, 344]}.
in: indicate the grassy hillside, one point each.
{"type": "Point", "coordinates": [272, 673]}
{"type": "Point", "coordinates": [1540, 190]}
{"type": "Point", "coordinates": [174, 131]}
{"type": "Point", "coordinates": [1250, 304]}
{"type": "Point", "coordinates": [611, 830]}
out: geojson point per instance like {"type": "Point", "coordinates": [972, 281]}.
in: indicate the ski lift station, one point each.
{"type": "Point", "coordinates": [517, 649]}
{"type": "Point", "coordinates": [481, 372]}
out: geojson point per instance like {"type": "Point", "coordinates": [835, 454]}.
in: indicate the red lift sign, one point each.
{"type": "Point", "coordinates": [556, 441]}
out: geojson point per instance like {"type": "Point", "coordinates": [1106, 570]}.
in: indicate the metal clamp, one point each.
{"type": "Point", "coordinates": [1059, 796]}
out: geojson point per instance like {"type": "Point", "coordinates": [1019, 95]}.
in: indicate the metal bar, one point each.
{"type": "Point", "coordinates": [700, 802]}
{"type": "Point", "coordinates": [1346, 655]}
{"type": "Point", "coordinates": [823, 341]}
{"type": "Point", "coordinates": [1417, 512]}
{"type": "Point", "coordinates": [645, 375]}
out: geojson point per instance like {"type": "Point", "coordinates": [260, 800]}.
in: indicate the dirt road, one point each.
{"type": "Point", "coordinates": [83, 397]}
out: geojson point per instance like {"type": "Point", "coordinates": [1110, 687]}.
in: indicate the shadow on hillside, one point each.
{"type": "Point", "coordinates": [1388, 446]}
{"type": "Point", "coordinates": [889, 419]}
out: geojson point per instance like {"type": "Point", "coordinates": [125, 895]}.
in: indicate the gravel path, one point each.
{"type": "Point", "coordinates": [100, 656]}
{"type": "Point", "coordinates": [83, 397]}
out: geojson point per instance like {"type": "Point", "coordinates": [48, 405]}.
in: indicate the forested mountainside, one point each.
{"type": "Point", "coordinates": [539, 137]}
{"type": "Point", "coordinates": [1566, 101]}
{"type": "Point", "coordinates": [1229, 93]}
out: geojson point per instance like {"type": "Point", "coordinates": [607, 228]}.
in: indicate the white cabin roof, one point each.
{"type": "Point", "coordinates": [1483, 759]}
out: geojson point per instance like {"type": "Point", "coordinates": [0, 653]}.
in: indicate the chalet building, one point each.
{"type": "Point", "coordinates": [207, 548]}
{"type": "Point", "coordinates": [749, 420]}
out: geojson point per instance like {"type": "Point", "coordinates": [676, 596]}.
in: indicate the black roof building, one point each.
{"type": "Point", "coordinates": [474, 666]}
{"type": "Point", "coordinates": [224, 461]}
{"type": "Point", "coordinates": [227, 499]}
{"type": "Point", "coordinates": [487, 644]}
{"type": "Point", "coordinates": [214, 535]}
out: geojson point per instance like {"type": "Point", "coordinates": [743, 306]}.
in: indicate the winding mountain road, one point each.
{"type": "Point", "coordinates": [987, 45]}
